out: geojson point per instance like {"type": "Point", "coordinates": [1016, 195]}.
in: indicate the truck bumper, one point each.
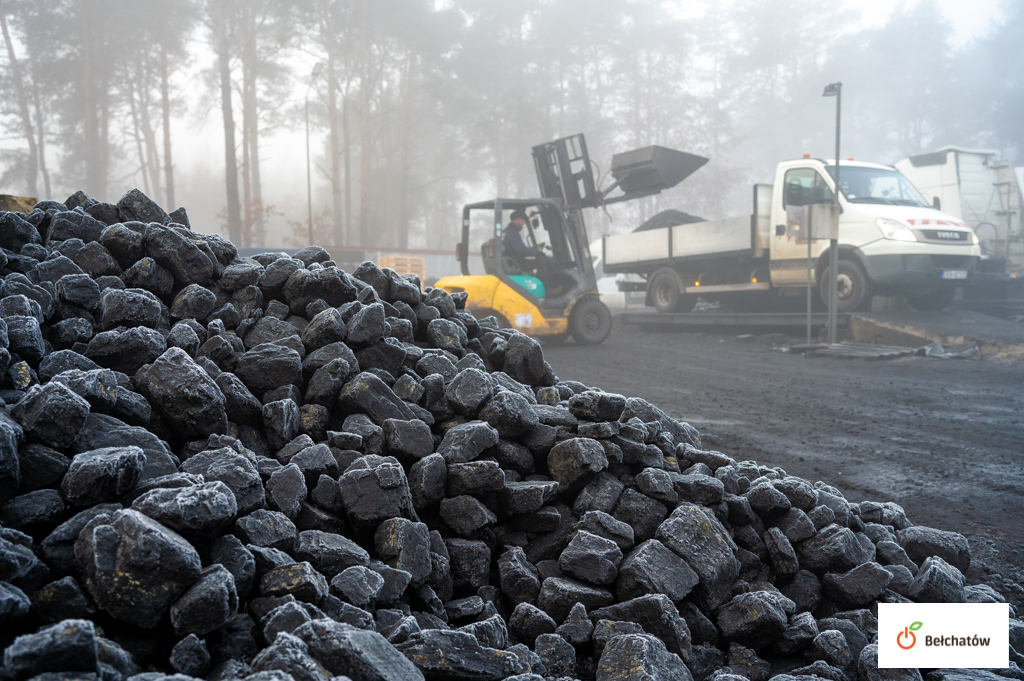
{"type": "Point", "coordinates": [918, 270]}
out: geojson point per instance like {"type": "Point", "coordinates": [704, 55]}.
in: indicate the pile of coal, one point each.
{"type": "Point", "coordinates": [268, 468]}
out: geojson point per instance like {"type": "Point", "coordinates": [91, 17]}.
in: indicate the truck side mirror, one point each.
{"type": "Point", "coordinates": [936, 203]}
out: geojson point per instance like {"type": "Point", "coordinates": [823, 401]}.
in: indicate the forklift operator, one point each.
{"type": "Point", "coordinates": [527, 258]}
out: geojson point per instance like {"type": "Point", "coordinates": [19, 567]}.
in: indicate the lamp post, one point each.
{"type": "Point", "coordinates": [834, 90]}
{"type": "Point", "coordinates": [309, 175]}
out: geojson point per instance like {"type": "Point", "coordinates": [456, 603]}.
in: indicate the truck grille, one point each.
{"type": "Point", "coordinates": [961, 262]}
{"type": "Point", "coordinates": [946, 235]}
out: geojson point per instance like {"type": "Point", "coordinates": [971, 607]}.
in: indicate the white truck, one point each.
{"type": "Point", "coordinates": [891, 242]}
{"type": "Point", "coordinates": [981, 189]}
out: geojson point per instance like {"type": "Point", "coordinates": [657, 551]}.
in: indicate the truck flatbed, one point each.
{"type": "Point", "coordinates": [717, 319]}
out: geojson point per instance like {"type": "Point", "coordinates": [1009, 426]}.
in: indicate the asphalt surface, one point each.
{"type": "Point", "coordinates": [943, 438]}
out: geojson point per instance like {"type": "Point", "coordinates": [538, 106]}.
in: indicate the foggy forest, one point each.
{"type": "Point", "coordinates": [418, 106]}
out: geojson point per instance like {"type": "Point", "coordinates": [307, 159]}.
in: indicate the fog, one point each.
{"type": "Point", "coordinates": [419, 106]}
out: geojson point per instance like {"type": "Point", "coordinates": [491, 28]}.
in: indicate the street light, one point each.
{"type": "Point", "coordinates": [309, 175]}
{"type": "Point", "coordinates": [834, 90]}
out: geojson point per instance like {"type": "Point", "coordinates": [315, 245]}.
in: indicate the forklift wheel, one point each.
{"type": "Point", "coordinates": [590, 322]}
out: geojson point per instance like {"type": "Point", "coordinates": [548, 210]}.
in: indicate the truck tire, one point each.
{"type": "Point", "coordinates": [933, 301]}
{"type": "Point", "coordinates": [664, 295]}
{"type": "Point", "coordinates": [852, 290]}
{"type": "Point", "coordinates": [590, 321]}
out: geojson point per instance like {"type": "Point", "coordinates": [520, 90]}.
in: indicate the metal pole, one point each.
{"type": "Point", "coordinates": [810, 273]}
{"type": "Point", "coordinates": [833, 245]}
{"type": "Point", "coordinates": [309, 176]}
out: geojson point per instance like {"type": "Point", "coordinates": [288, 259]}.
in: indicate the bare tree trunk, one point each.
{"type": "Point", "coordinates": [247, 221]}
{"type": "Point", "coordinates": [88, 104]}
{"type": "Point", "coordinates": [138, 140]}
{"type": "Point", "coordinates": [332, 113]}
{"type": "Point", "coordinates": [251, 123]}
{"type": "Point", "coordinates": [41, 132]}
{"type": "Point", "coordinates": [165, 107]}
{"type": "Point", "coordinates": [347, 134]}
{"type": "Point", "coordinates": [148, 134]}
{"type": "Point", "coordinates": [404, 153]}
{"type": "Point", "coordinates": [230, 164]}
{"type": "Point", "coordinates": [104, 142]}
{"type": "Point", "coordinates": [365, 228]}
{"type": "Point", "coordinates": [32, 171]}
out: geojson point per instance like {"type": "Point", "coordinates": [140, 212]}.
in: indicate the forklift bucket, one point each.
{"type": "Point", "coordinates": [646, 171]}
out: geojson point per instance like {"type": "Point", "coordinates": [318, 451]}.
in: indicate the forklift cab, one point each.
{"type": "Point", "coordinates": [552, 277]}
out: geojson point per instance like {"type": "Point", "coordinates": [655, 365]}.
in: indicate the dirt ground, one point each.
{"type": "Point", "coordinates": [943, 438]}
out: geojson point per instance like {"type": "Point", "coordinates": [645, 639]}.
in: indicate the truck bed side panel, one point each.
{"type": "Point", "coordinates": [638, 247]}
{"type": "Point", "coordinates": [709, 238]}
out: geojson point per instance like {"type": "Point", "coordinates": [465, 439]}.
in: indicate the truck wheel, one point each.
{"type": "Point", "coordinates": [590, 322]}
{"type": "Point", "coordinates": [933, 301]}
{"type": "Point", "coordinates": [663, 290]}
{"type": "Point", "coordinates": [851, 287]}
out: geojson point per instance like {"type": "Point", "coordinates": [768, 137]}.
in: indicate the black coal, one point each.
{"type": "Point", "coordinates": [268, 468]}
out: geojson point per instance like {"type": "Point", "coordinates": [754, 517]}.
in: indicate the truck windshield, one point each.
{"type": "Point", "coordinates": [876, 185]}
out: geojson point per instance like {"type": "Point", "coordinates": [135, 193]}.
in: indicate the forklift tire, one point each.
{"type": "Point", "coordinates": [590, 322]}
{"type": "Point", "coordinates": [852, 287]}
{"type": "Point", "coordinates": [933, 301]}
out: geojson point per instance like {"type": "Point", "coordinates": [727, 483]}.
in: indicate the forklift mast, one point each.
{"type": "Point", "coordinates": [565, 174]}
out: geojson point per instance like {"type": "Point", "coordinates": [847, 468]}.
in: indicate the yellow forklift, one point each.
{"type": "Point", "coordinates": [553, 294]}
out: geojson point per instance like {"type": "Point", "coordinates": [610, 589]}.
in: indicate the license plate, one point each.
{"type": "Point", "coordinates": [954, 274]}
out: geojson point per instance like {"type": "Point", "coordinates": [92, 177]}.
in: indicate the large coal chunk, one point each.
{"type": "Point", "coordinates": [524, 361]}
{"type": "Point", "coordinates": [924, 542]}
{"type": "Point", "coordinates": [591, 558]}
{"type": "Point", "coordinates": [11, 436]}
{"type": "Point", "coordinates": [700, 540]}
{"type": "Point", "coordinates": [405, 545]}
{"type": "Point", "coordinates": [66, 647]}
{"type": "Point", "coordinates": [269, 366]}
{"type": "Point", "coordinates": [832, 549]}
{"type": "Point", "coordinates": [467, 441]}
{"type": "Point", "coordinates": [327, 284]}
{"type": "Point", "coordinates": [178, 255]}
{"type": "Point", "coordinates": [756, 618]}
{"type": "Point", "coordinates": [52, 414]}
{"type": "Point", "coordinates": [103, 430]}
{"type": "Point", "coordinates": [360, 655]}
{"type": "Point", "coordinates": [657, 615]}
{"type": "Point", "coordinates": [368, 394]}
{"type": "Point", "coordinates": [574, 462]}
{"type": "Point", "coordinates": [207, 605]}
{"type": "Point", "coordinates": [857, 587]}
{"type": "Point", "coordinates": [558, 595]}
{"type": "Point", "coordinates": [653, 568]}
{"type": "Point", "coordinates": [102, 475]}
{"type": "Point", "coordinates": [233, 469]}
{"type": "Point", "coordinates": [135, 567]}
{"type": "Point", "coordinates": [329, 553]}
{"type": "Point", "coordinates": [938, 582]}
{"type": "Point", "coordinates": [640, 656]}
{"type": "Point", "coordinates": [126, 350]}
{"type": "Point", "coordinates": [374, 489]}
{"type": "Point", "coordinates": [201, 510]}
{"type": "Point", "coordinates": [458, 656]}
{"type": "Point", "coordinates": [185, 395]}
{"type": "Point", "coordinates": [135, 206]}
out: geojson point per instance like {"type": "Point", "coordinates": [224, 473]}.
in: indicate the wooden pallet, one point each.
{"type": "Point", "coordinates": [405, 264]}
{"type": "Point", "coordinates": [847, 350]}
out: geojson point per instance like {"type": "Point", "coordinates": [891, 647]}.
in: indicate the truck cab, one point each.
{"type": "Point", "coordinates": [891, 241]}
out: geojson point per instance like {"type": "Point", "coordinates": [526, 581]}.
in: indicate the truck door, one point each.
{"type": "Point", "coordinates": [800, 187]}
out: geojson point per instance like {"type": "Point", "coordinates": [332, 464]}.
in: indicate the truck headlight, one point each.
{"type": "Point", "coordinates": [897, 231]}
{"type": "Point", "coordinates": [974, 238]}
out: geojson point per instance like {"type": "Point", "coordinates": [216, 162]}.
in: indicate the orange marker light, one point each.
{"type": "Point", "coordinates": [806, 155]}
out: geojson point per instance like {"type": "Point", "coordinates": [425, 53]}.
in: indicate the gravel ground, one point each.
{"type": "Point", "coordinates": [944, 438]}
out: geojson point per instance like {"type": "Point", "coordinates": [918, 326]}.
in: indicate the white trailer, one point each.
{"type": "Point", "coordinates": [980, 189]}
